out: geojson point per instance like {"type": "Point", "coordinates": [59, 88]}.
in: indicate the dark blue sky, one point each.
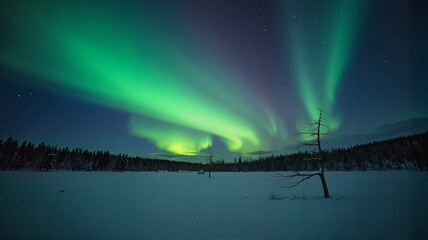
{"type": "Point", "coordinates": [382, 92]}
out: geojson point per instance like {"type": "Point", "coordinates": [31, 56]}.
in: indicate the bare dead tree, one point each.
{"type": "Point", "coordinates": [315, 154]}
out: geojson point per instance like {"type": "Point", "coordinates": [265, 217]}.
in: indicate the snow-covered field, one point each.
{"type": "Point", "coordinates": [147, 205]}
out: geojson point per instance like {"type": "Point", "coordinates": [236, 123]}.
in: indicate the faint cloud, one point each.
{"type": "Point", "coordinates": [409, 126]}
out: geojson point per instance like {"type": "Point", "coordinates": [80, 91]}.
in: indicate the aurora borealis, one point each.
{"type": "Point", "coordinates": [241, 76]}
{"type": "Point", "coordinates": [327, 45]}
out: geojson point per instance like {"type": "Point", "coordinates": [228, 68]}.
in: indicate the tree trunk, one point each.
{"type": "Point", "coordinates": [324, 186]}
{"type": "Point", "coordinates": [324, 183]}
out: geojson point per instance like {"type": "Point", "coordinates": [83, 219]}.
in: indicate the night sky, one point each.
{"type": "Point", "coordinates": [166, 79]}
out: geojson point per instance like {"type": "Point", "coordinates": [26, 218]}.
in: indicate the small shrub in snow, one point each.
{"type": "Point", "coordinates": [275, 197]}
{"type": "Point", "coordinates": [298, 196]}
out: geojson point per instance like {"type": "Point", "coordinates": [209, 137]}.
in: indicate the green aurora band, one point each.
{"type": "Point", "coordinates": [320, 45]}
{"type": "Point", "coordinates": [117, 56]}
{"type": "Point", "coordinates": [177, 90]}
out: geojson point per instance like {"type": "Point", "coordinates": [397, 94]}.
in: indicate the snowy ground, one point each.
{"type": "Point", "coordinates": [145, 205]}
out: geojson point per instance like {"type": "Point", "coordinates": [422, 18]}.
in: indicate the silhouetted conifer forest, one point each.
{"type": "Point", "coordinates": [400, 153]}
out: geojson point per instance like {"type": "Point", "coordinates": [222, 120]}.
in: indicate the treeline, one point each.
{"type": "Point", "coordinates": [42, 157]}
{"type": "Point", "coordinates": [400, 153]}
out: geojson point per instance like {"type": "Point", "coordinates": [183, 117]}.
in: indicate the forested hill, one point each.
{"type": "Point", "coordinates": [400, 153]}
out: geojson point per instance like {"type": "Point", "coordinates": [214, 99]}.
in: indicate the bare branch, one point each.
{"type": "Point", "coordinates": [307, 141]}
{"type": "Point", "coordinates": [298, 147]}
{"type": "Point", "coordinates": [306, 144]}
{"type": "Point", "coordinates": [296, 174]}
{"type": "Point", "coordinates": [309, 130]}
{"type": "Point", "coordinates": [306, 177]}
{"type": "Point", "coordinates": [309, 144]}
